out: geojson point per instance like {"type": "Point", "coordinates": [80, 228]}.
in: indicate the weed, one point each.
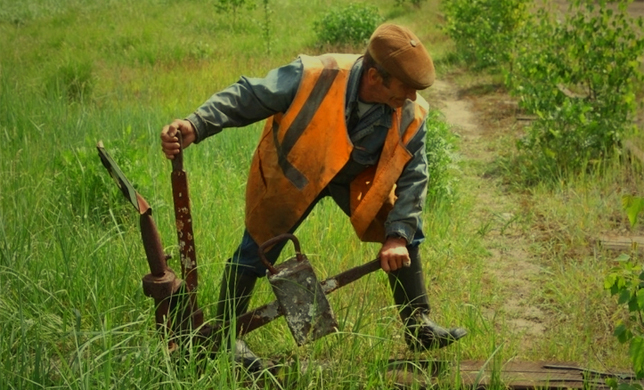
{"type": "Point", "coordinates": [626, 280]}
{"type": "Point", "coordinates": [73, 81]}
{"type": "Point", "coordinates": [234, 6]}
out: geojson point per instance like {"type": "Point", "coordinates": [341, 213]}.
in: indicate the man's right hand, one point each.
{"type": "Point", "coordinates": [170, 141]}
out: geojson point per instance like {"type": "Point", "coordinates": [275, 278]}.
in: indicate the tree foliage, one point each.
{"type": "Point", "coordinates": [579, 77]}
{"type": "Point", "coordinates": [352, 24]}
{"type": "Point", "coordinates": [484, 30]}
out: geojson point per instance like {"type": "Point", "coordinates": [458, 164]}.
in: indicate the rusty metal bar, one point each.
{"type": "Point", "coordinates": [188, 256]}
{"type": "Point", "coordinates": [152, 245]}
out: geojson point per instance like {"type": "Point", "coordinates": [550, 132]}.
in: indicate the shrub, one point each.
{"type": "Point", "coordinates": [440, 150]}
{"type": "Point", "coordinates": [352, 24]}
{"type": "Point", "coordinates": [579, 77]}
{"type": "Point", "coordinates": [484, 30]}
{"type": "Point", "coordinates": [626, 280]}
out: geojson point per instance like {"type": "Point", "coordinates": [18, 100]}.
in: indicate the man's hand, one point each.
{"type": "Point", "coordinates": [170, 141]}
{"type": "Point", "coordinates": [394, 255]}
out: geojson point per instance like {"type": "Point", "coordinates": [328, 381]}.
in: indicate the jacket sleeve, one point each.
{"type": "Point", "coordinates": [405, 220]}
{"type": "Point", "coordinates": [247, 101]}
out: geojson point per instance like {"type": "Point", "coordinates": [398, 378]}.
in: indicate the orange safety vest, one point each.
{"type": "Point", "coordinates": [301, 150]}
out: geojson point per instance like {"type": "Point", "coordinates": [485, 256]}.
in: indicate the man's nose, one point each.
{"type": "Point", "coordinates": [411, 94]}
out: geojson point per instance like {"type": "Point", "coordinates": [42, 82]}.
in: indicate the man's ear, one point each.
{"type": "Point", "coordinates": [374, 77]}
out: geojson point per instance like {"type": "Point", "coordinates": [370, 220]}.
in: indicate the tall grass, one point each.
{"type": "Point", "coordinates": [72, 311]}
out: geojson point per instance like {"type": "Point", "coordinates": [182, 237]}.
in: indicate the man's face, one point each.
{"type": "Point", "coordinates": [395, 92]}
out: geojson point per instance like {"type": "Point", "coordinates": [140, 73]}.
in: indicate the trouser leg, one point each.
{"type": "Point", "coordinates": [234, 298]}
{"type": "Point", "coordinates": [235, 293]}
{"type": "Point", "coordinates": [410, 295]}
{"type": "Point", "coordinates": [237, 284]}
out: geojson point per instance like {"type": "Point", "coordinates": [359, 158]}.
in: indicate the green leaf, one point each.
{"type": "Point", "coordinates": [628, 386]}
{"type": "Point", "coordinates": [623, 257]}
{"type": "Point", "coordinates": [636, 351]}
{"type": "Point", "coordinates": [609, 281]}
{"type": "Point", "coordinates": [624, 296]}
{"type": "Point", "coordinates": [640, 299]}
{"type": "Point", "coordinates": [633, 206]}
{"type": "Point", "coordinates": [622, 333]}
{"type": "Point", "coordinates": [612, 383]}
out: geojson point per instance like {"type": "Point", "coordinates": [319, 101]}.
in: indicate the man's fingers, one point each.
{"type": "Point", "coordinates": [393, 263]}
{"type": "Point", "coordinates": [170, 141]}
{"type": "Point", "coordinates": [399, 262]}
{"type": "Point", "coordinates": [168, 132]}
{"type": "Point", "coordinates": [384, 264]}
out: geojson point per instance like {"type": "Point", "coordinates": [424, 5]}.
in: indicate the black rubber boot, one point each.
{"type": "Point", "coordinates": [410, 294]}
{"type": "Point", "coordinates": [234, 297]}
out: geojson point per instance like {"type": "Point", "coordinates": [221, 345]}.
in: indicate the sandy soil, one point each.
{"type": "Point", "coordinates": [509, 264]}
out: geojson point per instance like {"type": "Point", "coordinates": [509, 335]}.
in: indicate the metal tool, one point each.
{"type": "Point", "coordinates": [322, 326]}
{"type": "Point", "coordinates": [299, 294]}
{"type": "Point", "coordinates": [301, 298]}
{"type": "Point", "coordinates": [161, 283]}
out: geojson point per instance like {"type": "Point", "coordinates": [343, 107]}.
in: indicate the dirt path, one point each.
{"type": "Point", "coordinates": [510, 271]}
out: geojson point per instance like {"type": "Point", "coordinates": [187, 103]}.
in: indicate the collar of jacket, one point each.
{"type": "Point", "coordinates": [351, 101]}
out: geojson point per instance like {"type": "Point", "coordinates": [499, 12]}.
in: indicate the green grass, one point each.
{"type": "Point", "coordinates": [72, 311]}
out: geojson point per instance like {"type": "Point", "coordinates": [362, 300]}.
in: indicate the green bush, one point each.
{"type": "Point", "coordinates": [579, 77]}
{"type": "Point", "coordinates": [484, 30]}
{"type": "Point", "coordinates": [352, 24]}
{"type": "Point", "coordinates": [440, 151]}
{"type": "Point", "coordinates": [626, 280]}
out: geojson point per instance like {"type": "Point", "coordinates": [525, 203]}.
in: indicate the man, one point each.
{"type": "Point", "coordinates": [339, 125]}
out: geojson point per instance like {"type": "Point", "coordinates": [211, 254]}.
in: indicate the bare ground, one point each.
{"type": "Point", "coordinates": [478, 120]}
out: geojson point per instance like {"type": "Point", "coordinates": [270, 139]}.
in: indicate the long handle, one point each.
{"type": "Point", "coordinates": [188, 255]}
{"type": "Point", "coordinates": [256, 318]}
{"type": "Point", "coordinates": [177, 161]}
{"type": "Point", "coordinates": [183, 217]}
{"type": "Point", "coordinates": [349, 276]}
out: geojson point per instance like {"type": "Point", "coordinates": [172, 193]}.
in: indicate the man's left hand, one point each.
{"type": "Point", "coordinates": [394, 255]}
